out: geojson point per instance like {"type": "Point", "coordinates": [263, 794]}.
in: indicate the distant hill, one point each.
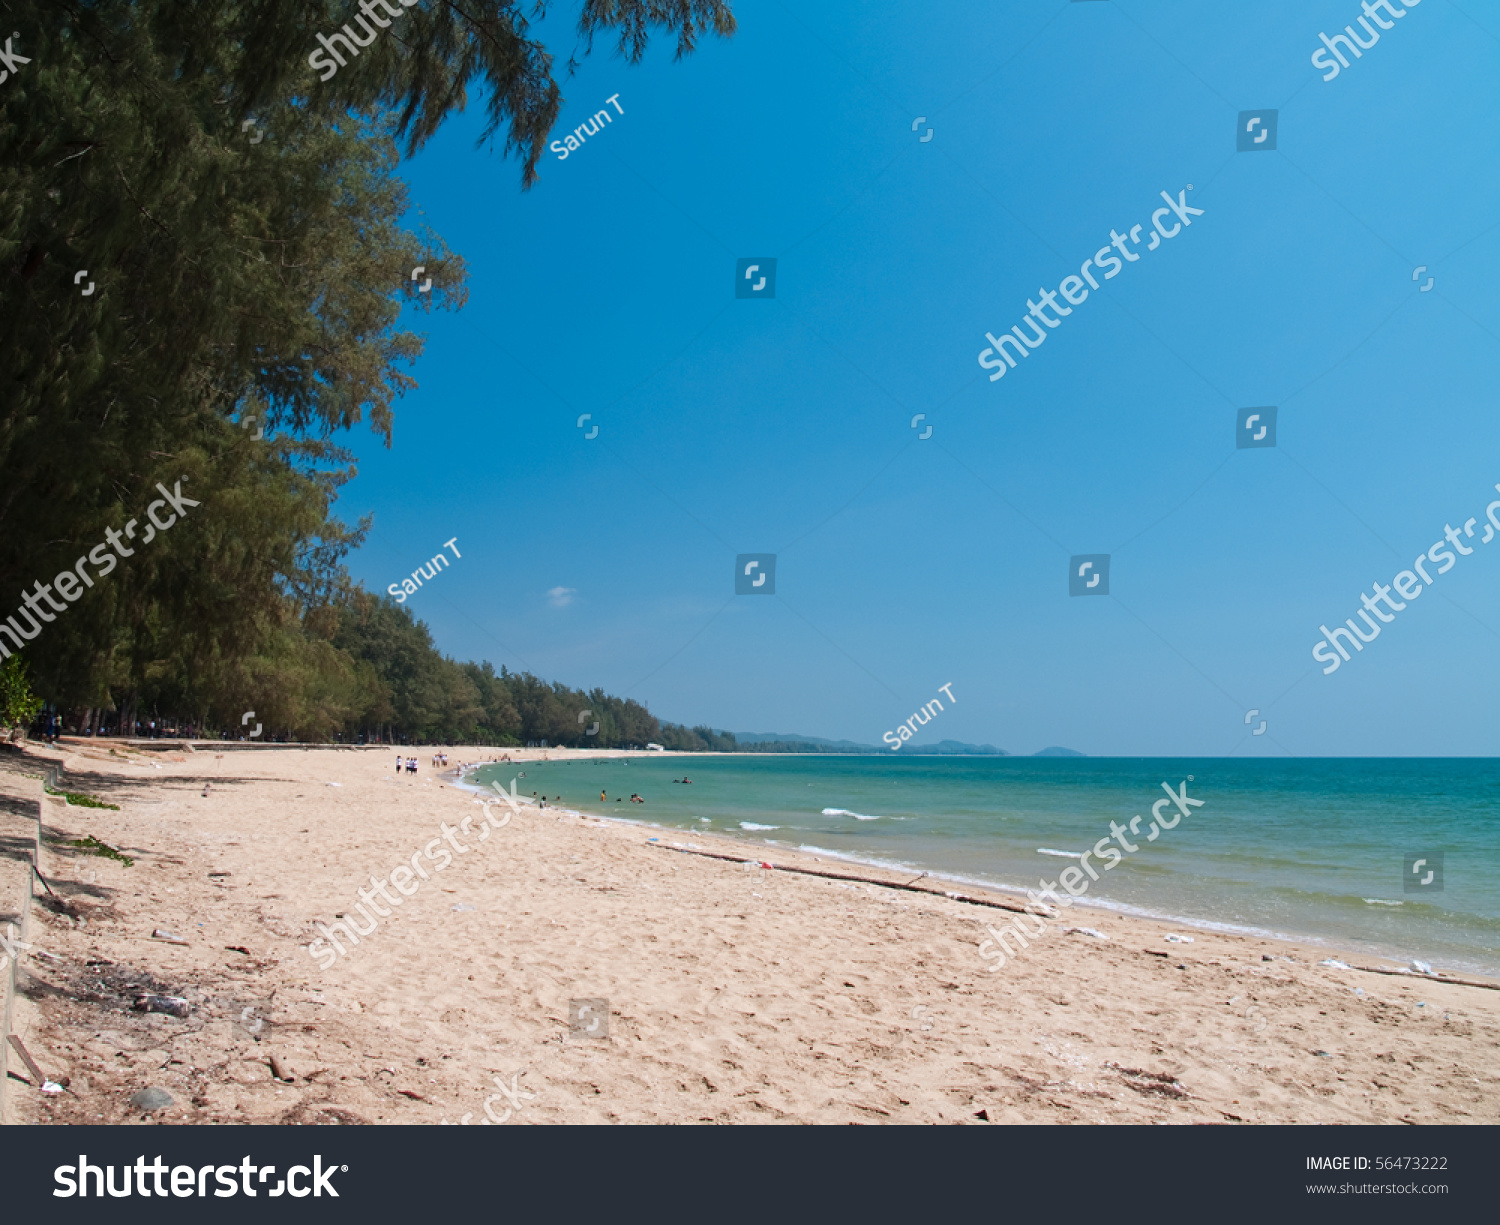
{"type": "Point", "coordinates": [804, 744]}
{"type": "Point", "coordinates": [778, 742]}
{"type": "Point", "coordinates": [1057, 751]}
{"type": "Point", "coordinates": [955, 748]}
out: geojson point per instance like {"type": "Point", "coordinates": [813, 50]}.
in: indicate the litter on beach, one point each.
{"type": "Point", "coordinates": [169, 1005]}
{"type": "Point", "coordinates": [1334, 964]}
{"type": "Point", "coordinates": [1176, 939]}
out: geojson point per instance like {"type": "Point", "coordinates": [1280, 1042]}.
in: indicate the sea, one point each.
{"type": "Point", "coordinates": [1396, 857]}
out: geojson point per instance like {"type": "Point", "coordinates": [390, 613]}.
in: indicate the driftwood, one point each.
{"type": "Point", "coordinates": [909, 887]}
{"type": "Point", "coordinates": [1428, 978]}
{"type": "Point", "coordinates": [15, 1041]}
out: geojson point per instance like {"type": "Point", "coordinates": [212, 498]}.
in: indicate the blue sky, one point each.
{"type": "Point", "coordinates": [782, 426]}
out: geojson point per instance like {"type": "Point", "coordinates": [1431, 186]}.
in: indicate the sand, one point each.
{"type": "Point", "coordinates": [734, 994]}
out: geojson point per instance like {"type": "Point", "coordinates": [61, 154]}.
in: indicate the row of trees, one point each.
{"type": "Point", "coordinates": [245, 242]}
{"type": "Point", "coordinates": [365, 670]}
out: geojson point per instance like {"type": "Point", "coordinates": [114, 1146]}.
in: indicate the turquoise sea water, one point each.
{"type": "Point", "coordinates": [1308, 848]}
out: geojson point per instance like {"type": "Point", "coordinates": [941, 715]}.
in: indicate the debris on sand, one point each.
{"type": "Point", "coordinates": [152, 1099]}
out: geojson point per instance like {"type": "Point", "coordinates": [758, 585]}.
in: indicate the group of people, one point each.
{"type": "Point", "coordinates": [634, 799]}
{"type": "Point", "coordinates": [439, 760]}
{"type": "Point", "coordinates": [409, 764]}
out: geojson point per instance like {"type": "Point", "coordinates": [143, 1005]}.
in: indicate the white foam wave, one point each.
{"type": "Point", "coordinates": [844, 812]}
{"type": "Point", "coordinates": [1377, 901]}
{"type": "Point", "coordinates": [753, 825]}
{"type": "Point", "coordinates": [1042, 850]}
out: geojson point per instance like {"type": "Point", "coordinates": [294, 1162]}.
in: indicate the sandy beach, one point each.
{"type": "Point", "coordinates": [734, 993]}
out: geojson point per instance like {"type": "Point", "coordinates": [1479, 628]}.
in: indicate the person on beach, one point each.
{"type": "Point", "coordinates": [602, 796]}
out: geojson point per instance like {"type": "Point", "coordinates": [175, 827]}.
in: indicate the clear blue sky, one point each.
{"type": "Point", "coordinates": [782, 426]}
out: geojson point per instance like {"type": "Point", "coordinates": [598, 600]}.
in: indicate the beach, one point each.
{"type": "Point", "coordinates": [564, 968]}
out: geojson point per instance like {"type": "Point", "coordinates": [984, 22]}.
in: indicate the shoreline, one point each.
{"type": "Point", "coordinates": [733, 993]}
{"type": "Point", "coordinates": [1334, 945]}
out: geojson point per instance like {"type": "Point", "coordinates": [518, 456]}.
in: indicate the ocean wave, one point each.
{"type": "Point", "coordinates": [844, 812]}
{"type": "Point", "coordinates": [1042, 850]}
{"type": "Point", "coordinates": [753, 825]}
{"type": "Point", "coordinates": [868, 860]}
{"type": "Point", "coordinates": [1376, 901]}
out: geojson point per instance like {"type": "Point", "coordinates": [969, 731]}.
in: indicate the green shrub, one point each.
{"type": "Point", "coordinates": [78, 798]}
{"type": "Point", "coordinates": [94, 847]}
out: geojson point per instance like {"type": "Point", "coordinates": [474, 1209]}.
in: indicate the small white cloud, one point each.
{"type": "Point", "coordinates": [561, 597]}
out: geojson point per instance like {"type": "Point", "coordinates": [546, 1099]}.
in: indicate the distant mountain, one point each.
{"type": "Point", "coordinates": [781, 743]}
{"type": "Point", "coordinates": [1056, 751]}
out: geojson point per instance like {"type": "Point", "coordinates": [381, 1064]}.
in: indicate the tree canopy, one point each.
{"type": "Point", "coordinates": [205, 247]}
